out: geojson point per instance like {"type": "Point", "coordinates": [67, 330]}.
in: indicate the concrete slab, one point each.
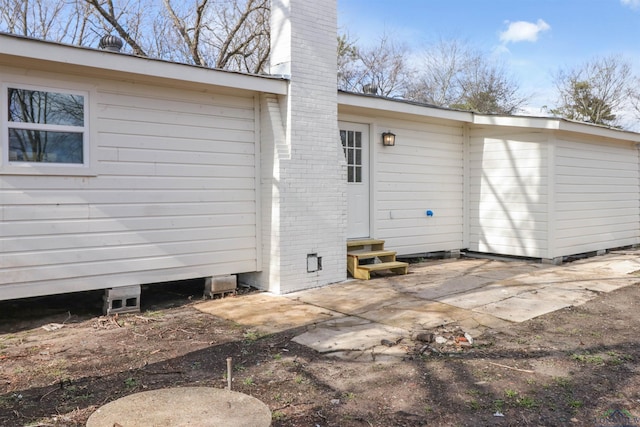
{"type": "Point", "coordinates": [183, 406]}
{"type": "Point", "coordinates": [595, 280]}
{"type": "Point", "coordinates": [411, 313]}
{"type": "Point", "coordinates": [478, 323]}
{"type": "Point", "coordinates": [562, 295]}
{"type": "Point", "coordinates": [349, 298]}
{"type": "Point", "coordinates": [521, 308]}
{"type": "Point", "coordinates": [451, 286]}
{"type": "Point", "coordinates": [349, 335]}
{"type": "Point", "coordinates": [266, 312]}
{"type": "Point", "coordinates": [485, 295]}
{"type": "Point", "coordinates": [350, 319]}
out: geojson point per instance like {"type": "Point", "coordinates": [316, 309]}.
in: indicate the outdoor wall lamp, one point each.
{"type": "Point", "coordinates": [388, 139]}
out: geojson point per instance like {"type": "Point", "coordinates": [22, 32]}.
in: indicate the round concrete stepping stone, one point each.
{"type": "Point", "coordinates": [182, 407]}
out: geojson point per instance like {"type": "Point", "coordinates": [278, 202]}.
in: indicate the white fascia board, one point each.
{"type": "Point", "coordinates": [595, 130]}
{"type": "Point", "coordinates": [556, 124]}
{"type": "Point", "coordinates": [394, 107]}
{"type": "Point", "coordinates": [37, 51]}
{"type": "Point", "coordinates": [516, 121]}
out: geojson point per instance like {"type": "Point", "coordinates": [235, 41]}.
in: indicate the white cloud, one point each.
{"type": "Point", "coordinates": [633, 4]}
{"type": "Point", "coordinates": [523, 31]}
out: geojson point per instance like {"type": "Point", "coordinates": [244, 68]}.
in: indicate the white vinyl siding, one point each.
{"type": "Point", "coordinates": [174, 197]}
{"type": "Point", "coordinates": [596, 196]}
{"type": "Point", "coordinates": [508, 194]}
{"type": "Point", "coordinates": [423, 171]}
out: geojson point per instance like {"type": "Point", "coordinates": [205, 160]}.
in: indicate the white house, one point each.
{"type": "Point", "coordinates": [155, 171]}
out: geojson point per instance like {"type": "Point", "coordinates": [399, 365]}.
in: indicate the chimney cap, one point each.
{"type": "Point", "coordinates": [110, 43]}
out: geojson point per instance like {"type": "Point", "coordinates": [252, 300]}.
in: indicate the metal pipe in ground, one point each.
{"type": "Point", "coordinates": [229, 372]}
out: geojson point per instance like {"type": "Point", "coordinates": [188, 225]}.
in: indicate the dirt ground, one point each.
{"type": "Point", "coordinates": [60, 360]}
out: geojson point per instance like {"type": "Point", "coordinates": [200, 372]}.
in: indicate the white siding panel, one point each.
{"type": "Point", "coordinates": [596, 195]}
{"type": "Point", "coordinates": [174, 197]}
{"type": "Point", "coordinates": [105, 240]}
{"type": "Point", "coordinates": [424, 171]}
{"type": "Point", "coordinates": [508, 193]}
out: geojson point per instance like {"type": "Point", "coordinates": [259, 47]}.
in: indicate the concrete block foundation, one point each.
{"type": "Point", "coordinates": [220, 286]}
{"type": "Point", "coordinates": [125, 299]}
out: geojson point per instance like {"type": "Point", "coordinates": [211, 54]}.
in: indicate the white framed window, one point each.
{"type": "Point", "coordinates": [352, 146]}
{"type": "Point", "coordinates": [45, 130]}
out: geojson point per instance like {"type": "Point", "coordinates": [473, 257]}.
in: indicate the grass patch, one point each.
{"type": "Point", "coordinates": [278, 416]}
{"type": "Point", "coordinates": [575, 403]}
{"type": "Point", "coordinates": [527, 402]}
{"type": "Point", "coordinates": [348, 395]}
{"type": "Point", "coordinates": [251, 336]}
{"type": "Point", "coordinates": [563, 382]}
{"type": "Point", "coordinates": [154, 314]}
{"type": "Point", "coordinates": [511, 394]}
{"type": "Point", "coordinates": [586, 358]}
{"type": "Point", "coordinates": [473, 404]}
{"type": "Point", "coordinates": [131, 383]}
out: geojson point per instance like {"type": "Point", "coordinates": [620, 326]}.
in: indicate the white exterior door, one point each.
{"type": "Point", "coordinates": [355, 142]}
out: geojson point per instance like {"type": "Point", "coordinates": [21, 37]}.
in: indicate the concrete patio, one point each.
{"type": "Point", "coordinates": [350, 319]}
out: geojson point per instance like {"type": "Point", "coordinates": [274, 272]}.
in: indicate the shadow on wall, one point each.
{"type": "Point", "coordinates": [508, 195]}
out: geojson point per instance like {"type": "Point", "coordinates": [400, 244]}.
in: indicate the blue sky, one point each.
{"type": "Point", "coordinates": [533, 37]}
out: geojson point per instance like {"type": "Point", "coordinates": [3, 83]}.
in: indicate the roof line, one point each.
{"type": "Point", "coordinates": [44, 50]}
{"type": "Point", "coordinates": [473, 117]}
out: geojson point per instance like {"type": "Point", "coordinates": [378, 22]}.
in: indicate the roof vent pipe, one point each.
{"type": "Point", "coordinates": [370, 89]}
{"type": "Point", "coordinates": [110, 43]}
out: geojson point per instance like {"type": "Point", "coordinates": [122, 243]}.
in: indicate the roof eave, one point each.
{"type": "Point", "coordinates": [557, 124]}
{"type": "Point", "coordinates": [37, 51]}
{"type": "Point", "coordinates": [399, 106]}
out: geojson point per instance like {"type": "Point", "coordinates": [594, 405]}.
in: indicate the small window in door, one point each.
{"type": "Point", "coordinates": [352, 146]}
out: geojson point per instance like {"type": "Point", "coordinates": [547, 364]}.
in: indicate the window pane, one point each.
{"type": "Point", "coordinates": [350, 138]}
{"type": "Point", "coordinates": [33, 106]}
{"type": "Point", "coordinates": [358, 174]}
{"type": "Point", "coordinates": [358, 139]}
{"type": "Point", "coordinates": [350, 174]}
{"type": "Point", "coordinates": [45, 146]}
{"type": "Point", "coordinates": [359, 157]}
{"type": "Point", "coordinates": [350, 156]}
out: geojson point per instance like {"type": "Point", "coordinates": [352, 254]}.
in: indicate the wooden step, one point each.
{"type": "Point", "coordinates": [364, 271]}
{"type": "Point", "coordinates": [364, 254]}
{"type": "Point", "coordinates": [371, 249]}
{"type": "Point", "coordinates": [373, 244]}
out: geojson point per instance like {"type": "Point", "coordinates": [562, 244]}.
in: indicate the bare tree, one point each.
{"type": "Point", "coordinates": [487, 88]}
{"type": "Point", "coordinates": [348, 70]}
{"type": "Point", "coordinates": [33, 18]}
{"type": "Point", "coordinates": [190, 31]}
{"type": "Point", "coordinates": [595, 92]}
{"type": "Point", "coordinates": [230, 34]}
{"type": "Point", "coordinates": [114, 16]}
{"type": "Point", "coordinates": [442, 68]}
{"type": "Point", "coordinates": [243, 36]}
{"type": "Point", "coordinates": [210, 33]}
{"type": "Point", "coordinates": [453, 74]}
{"type": "Point", "coordinates": [382, 67]}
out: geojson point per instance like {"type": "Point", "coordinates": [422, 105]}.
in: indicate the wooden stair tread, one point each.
{"type": "Point", "coordinates": [364, 254]}
{"type": "Point", "coordinates": [367, 249]}
{"type": "Point", "coordinates": [364, 242]}
{"type": "Point", "coordinates": [383, 266]}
